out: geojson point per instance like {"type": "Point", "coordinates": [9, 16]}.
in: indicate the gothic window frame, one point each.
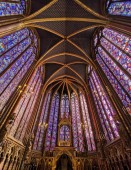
{"type": "Point", "coordinates": [117, 60]}
{"type": "Point", "coordinates": [25, 4]}
{"type": "Point", "coordinates": [79, 140]}
{"type": "Point", "coordinates": [110, 4]}
{"type": "Point", "coordinates": [28, 100]}
{"type": "Point", "coordinates": [88, 127]}
{"type": "Point", "coordinates": [43, 122]}
{"type": "Point", "coordinates": [104, 111]}
{"type": "Point", "coordinates": [64, 98]}
{"type": "Point", "coordinates": [64, 134]}
{"type": "Point", "coordinates": [49, 132]}
{"type": "Point", "coordinates": [33, 44]}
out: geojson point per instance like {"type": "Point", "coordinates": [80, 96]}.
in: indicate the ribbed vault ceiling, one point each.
{"type": "Point", "coordinates": [65, 28]}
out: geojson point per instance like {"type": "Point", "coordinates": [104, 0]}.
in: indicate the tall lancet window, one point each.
{"type": "Point", "coordinates": [51, 135]}
{"type": "Point", "coordinates": [113, 52]}
{"type": "Point", "coordinates": [12, 7]}
{"type": "Point", "coordinates": [65, 106]}
{"type": "Point", "coordinates": [78, 140]}
{"type": "Point", "coordinates": [104, 107]}
{"type": "Point", "coordinates": [26, 105]}
{"type": "Point", "coordinates": [87, 124]}
{"type": "Point", "coordinates": [17, 53]}
{"type": "Point", "coordinates": [65, 133]}
{"type": "Point", "coordinates": [38, 143]}
{"type": "Point", "coordinates": [119, 7]}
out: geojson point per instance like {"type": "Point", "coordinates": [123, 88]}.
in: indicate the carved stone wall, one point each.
{"type": "Point", "coordinates": [11, 154]}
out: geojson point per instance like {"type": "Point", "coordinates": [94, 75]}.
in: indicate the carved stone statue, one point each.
{"type": "Point", "coordinates": [29, 146]}
{"type": "Point", "coordinates": [100, 145]}
{"type": "Point", "coordinates": [124, 136]}
{"type": "Point", "coordinates": [7, 126]}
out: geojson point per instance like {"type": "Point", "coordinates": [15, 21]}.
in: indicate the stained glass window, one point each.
{"type": "Point", "coordinates": [104, 108]}
{"type": "Point", "coordinates": [17, 7]}
{"type": "Point", "coordinates": [78, 141]}
{"type": "Point", "coordinates": [119, 7]}
{"type": "Point", "coordinates": [25, 106]}
{"type": "Point", "coordinates": [120, 40]}
{"type": "Point", "coordinates": [65, 106]}
{"type": "Point", "coordinates": [17, 53]}
{"type": "Point", "coordinates": [113, 54]}
{"type": "Point", "coordinates": [51, 135]}
{"type": "Point", "coordinates": [38, 143]}
{"type": "Point", "coordinates": [65, 133]}
{"type": "Point", "coordinates": [87, 124]}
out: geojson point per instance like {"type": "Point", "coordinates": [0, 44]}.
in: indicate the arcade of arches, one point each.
{"type": "Point", "coordinates": [65, 85]}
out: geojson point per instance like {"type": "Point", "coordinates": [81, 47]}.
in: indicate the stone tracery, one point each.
{"type": "Point", "coordinates": [59, 65]}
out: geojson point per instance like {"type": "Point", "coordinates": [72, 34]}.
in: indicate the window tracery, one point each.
{"type": "Point", "coordinates": [65, 133]}
{"type": "Point", "coordinates": [78, 141]}
{"type": "Point", "coordinates": [16, 7]}
{"type": "Point", "coordinates": [104, 108]}
{"type": "Point", "coordinates": [51, 135]}
{"type": "Point", "coordinates": [17, 53]}
{"type": "Point", "coordinates": [65, 106]}
{"type": "Point", "coordinates": [113, 52]}
{"type": "Point", "coordinates": [87, 124]}
{"type": "Point", "coordinates": [119, 7]}
{"type": "Point", "coordinates": [26, 105]}
{"type": "Point", "coordinates": [38, 143]}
